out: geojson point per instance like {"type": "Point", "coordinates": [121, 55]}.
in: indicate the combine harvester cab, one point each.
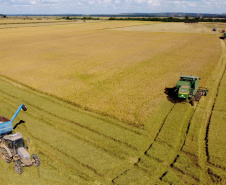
{"type": "Point", "coordinates": [13, 147]}
{"type": "Point", "coordinates": [188, 88]}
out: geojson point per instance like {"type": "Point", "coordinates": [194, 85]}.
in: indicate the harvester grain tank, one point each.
{"type": "Point", "coordinates": [12, 145]}
{"type": "Point", "coordinates": [188, 88]}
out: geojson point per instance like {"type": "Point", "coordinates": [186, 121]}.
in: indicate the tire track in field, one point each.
{"type": "Point", "coordinates": [74, 135]}
{"type": "Point", "coordinates": [209, 121]}
{"type": "Point", "coordinates": [91, 113]}
{"type": "Point", "coordinates": [78, 124]}
{"type": "Point", "coordinates": [145, 152]}
{"type": "Point", "coordinates": [204, 158]}
{"type": "Point", "coordinates": [12, 99]}
{"type": "Point", "coordinates": [80, 173]}
{"type": "Point", "coordinates": [188, 127]}
{"type": "Point", "coordinates": [178, 155]}
{"type": "Point", "coordinates": [65, 154]}
{"type": "Point", "coordinates": [214, 177]}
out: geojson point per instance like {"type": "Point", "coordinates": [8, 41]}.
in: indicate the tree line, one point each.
{"type": "Point", "coordinates": [171, 19]}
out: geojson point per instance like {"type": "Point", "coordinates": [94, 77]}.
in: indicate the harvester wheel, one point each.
{"type": "Point", "coordinates": [36, 162]}
{"type": "Point", "coordinates": [18, 167]}
{"type": "Point", "coordinates": [192, 101]}
{"type": "Point", "coordinates": [5, 156]}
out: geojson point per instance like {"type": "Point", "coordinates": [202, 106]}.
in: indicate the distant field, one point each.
{"type": "Point", "coordinates": [174, 27]}
{"type": "Point", "coordinates": [73, 76]}
{"type": "Point", "coordinates": [25, 19]}
{"type": "Point", "coordinates": [122, 74]}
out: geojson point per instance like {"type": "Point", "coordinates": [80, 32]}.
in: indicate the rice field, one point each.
{"type": "Point", "coordinates": [118, 73]}
{"type": "Point", "coordinates": [97, 111]}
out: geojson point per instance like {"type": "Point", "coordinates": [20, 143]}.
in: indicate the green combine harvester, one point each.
{"type": "Point", "coordinates": [188, 88]}
{"type": "Point", "coordinates": [223, 36]}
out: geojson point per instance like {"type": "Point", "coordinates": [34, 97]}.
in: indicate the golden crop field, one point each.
{"type": "Point", "coordinates": [97, 108]}
{"type": "Point", "coordinates": [118, 73]}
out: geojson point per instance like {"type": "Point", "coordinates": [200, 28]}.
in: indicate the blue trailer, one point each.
{"type": "Point", "coordinates": [6, 125]}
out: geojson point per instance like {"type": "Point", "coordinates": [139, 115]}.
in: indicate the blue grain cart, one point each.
{"type": "Point", "coordinates": [6, 125]}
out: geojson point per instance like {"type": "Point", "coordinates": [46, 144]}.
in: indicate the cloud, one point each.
{"type": "Point", "coordinates": [111, 6]}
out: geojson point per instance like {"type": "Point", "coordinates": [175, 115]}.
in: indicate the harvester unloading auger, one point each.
{"type": "Point", "coordinates": [188, 88]}
{"type": "Point", "coordinates": [12, 145]}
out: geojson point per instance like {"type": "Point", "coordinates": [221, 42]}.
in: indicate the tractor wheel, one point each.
{"type": "Point", "coordinates": [5, 156]}
{"type": "Point", "coordinates": [192, 102]}
{"type": "Point", "coordinates": [36, 162]}
{"type": "Point", "coordinates": [18, 167]}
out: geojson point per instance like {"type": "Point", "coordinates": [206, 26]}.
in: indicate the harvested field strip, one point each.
{"type": "Point", "coordinates": [74, 142]}
{"type": "Point", "coordinates": [166, 146]}
{"type": "Point", "coordinates": [49, 155]}
{"type": "Point", "coordinates": [125, 133]}
{"type": "Point", "coordinates": [215, 134]}
{"type": "Point", "coordinates": [100, 142]}
{"type": "Point", "coordinates": [137, 164]}
{"type": "Point", "coordinates": [193, 159]}
{"type": "Point", "coordinates": [159, 130]}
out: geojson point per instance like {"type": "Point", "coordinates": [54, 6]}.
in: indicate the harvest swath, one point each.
{"type": "Point", "coordinates": [60, 70]}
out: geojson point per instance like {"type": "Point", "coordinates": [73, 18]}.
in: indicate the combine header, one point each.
{"type": "Point", "coordinates": [188, 88]}
{"type": "Point", "coordinates": [13, 147]}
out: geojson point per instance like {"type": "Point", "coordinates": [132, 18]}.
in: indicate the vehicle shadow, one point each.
{"type": "Point", "coordinates": [20, 122]}
{"type": "Point", "coordinates": [172, 95]}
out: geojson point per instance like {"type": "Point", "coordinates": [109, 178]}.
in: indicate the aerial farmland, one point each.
{"type": "Point", "coordinates": [98, 110]}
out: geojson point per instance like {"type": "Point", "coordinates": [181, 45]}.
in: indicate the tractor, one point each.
{"type": "Point", "coordinates": [188, 88]}
{"type": "Point", "coordinates": [13, 147]}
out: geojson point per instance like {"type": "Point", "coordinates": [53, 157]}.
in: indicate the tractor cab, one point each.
{"type": "Point", "coordinates": [16, 146]}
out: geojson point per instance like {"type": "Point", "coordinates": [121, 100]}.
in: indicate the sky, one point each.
{"type": "Point", "coordinates": [110, 6]}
